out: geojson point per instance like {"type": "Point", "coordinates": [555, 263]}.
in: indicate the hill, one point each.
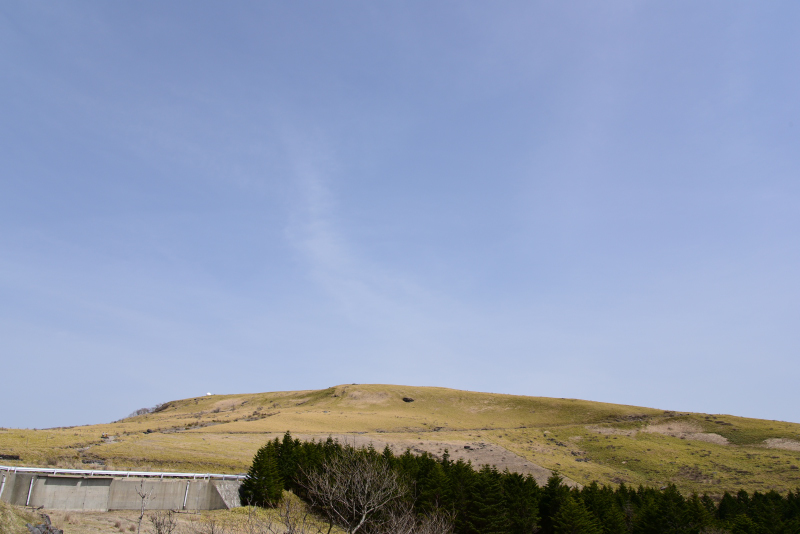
{"type": "Point", "coordinates": [582, 440]}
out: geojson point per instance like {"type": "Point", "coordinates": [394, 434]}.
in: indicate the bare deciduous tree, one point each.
{"type": "Point", "coordinates": [144, 496]}
{"type": "Point", "coordinates": [296, 518]}
{"type": "Point", "coordinates": [401, 519]}
{"type": "Point", "coordinates": [164, 522]}
{"type": "Point", "coordinates": [210, 526]}
{"type": "Point", "coordinates": [437, 522]}
{"type": "Point", "coordinates": [352, 488]}
{"type": "Point", "coordinates": [292, 518]}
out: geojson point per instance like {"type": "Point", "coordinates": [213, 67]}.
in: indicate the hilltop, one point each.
{"type": "Point", "coordinates": [582, 440]}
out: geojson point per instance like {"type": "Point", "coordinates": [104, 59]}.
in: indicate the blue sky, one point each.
{"type": "Point", "coordinates": [568, 199]}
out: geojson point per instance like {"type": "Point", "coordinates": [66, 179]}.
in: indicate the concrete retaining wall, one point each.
{"type": "Point", "coordinates": [65, 492]}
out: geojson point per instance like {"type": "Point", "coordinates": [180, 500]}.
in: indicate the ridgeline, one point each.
{"type": "Point", "coordinates": [581, 440]}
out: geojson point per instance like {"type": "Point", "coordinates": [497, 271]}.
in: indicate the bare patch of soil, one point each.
{"type": "Point", "coordinates": [609, 430]}
{"type": "Point", "coordinates": [364, 398]}
{"type": "Point", "coordinates": [684, 430]}
{"type": "Point", "coordinates": [226, 404]}
{"type": "Point", "coordinates": [708, 437]}
{"type": "Point", "coordinates": [674, 428]}
{"type": "Point", "coordinates": [480, 453]}
{"type": "Point", "coordinates": [782, 443]}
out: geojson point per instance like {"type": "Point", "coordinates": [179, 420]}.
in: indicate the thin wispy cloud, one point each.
{"type": "Point", "coordinates": [365, 292]}
{"type": "Point", "coordinates": [560, 199]}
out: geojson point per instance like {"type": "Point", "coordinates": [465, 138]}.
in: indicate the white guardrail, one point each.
{"type": "Point", "coordinates": [122, 474]}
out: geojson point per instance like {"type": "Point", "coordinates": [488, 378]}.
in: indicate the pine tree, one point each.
{"type": "Point", "coordinates": [663, 512]}
{"type": "Point", "coordinates": [487, 515]}
{"type": "Point", "coordinates": [728, 507]}
{"type": "Point", "coordinates": [614, 521]}
{"type": "Point", "coordinates": [697, 513]}
{"type": "Point", "coordinates": [264, 484]}
{"type": "Point", "coordinates": [554, 493]}
{"type": "Point", "coordinates": [462, 479]}
{"type": "Point", "coordinates": [287, 457]}
{"type": "Point", "coordinates": [741, 524]}
{"type": "Point", "coordinates": [434, 490]}
{"type": "Point", "coordinates": [574, 518]}
{"type": "Point", "coordinates": [522, 503]}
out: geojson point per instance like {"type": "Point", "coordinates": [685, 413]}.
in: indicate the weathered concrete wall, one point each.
{"type": "Point", "coordinates": [59, 492]}
{"type": "Point", "coordinates": [71, 493]}
{"type": "Point", "coordinates": [16, 488]}
{"type": "Point", "coordinates": [228, 491]}
{"type": "Point", "coordinates": [163, 494]}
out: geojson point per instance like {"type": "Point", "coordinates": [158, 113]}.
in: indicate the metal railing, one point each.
{"type": "Point", "coordinates": [120, 474]}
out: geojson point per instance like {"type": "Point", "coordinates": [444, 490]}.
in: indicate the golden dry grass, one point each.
{"type": "Point", "coordinates": [582, 440]}
{"type": "Point", "coordinates": [14, 518]}
{"type": "Point", "coordinates": [236, 521]}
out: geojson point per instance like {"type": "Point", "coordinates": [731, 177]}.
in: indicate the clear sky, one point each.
{"type": "Point", "coordinates": [595, 200]}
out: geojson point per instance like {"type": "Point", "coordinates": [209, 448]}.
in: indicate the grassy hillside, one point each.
{"type": "Point", "coordinates": [580, 439]}
{"type": "Point", "coordinates": [14, 518]}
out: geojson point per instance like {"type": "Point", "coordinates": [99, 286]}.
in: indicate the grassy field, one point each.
{"type": "Point", "coordinates": [243, 520]}
{"type": "Point", "coordinates": [14, 518]}
{"type": "Point", "coordinates": [580, 439]}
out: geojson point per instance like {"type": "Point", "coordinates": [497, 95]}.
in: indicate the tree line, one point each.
{"type": "Point", "coordinates": [364, 490]}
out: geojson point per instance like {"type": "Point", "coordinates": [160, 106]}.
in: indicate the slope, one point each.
{"type": "Point", "coordinates": [582, 440]}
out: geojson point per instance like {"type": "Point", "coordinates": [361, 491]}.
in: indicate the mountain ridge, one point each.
{"type": "Point", "coordinates": [581, 440]}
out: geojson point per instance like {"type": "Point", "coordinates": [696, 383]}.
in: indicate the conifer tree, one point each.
{"type": "Point", "coordinates": [264, 485]}
{"type": "Point", "coordinates": [487, 513]}
{"type": "Point", "coordinates": [662, 512]}
{"type": "Point", "coordinates": [522, 503]}
{"type": "Point", "coordinates": [741, 524]}
{"type": "Point", "coordinates": [434, 490]}
{"type": "Point", "coordinates": [287, 456]}
{"type": "Point", "coordinates": [554, 493]}
{"type": "Point", "coordinates": [728, 507]}
{"type": "Point", "coordinates": [574, 518]}
{"type": "Point", "coordinates": [462, 479]}
{"type": "Point", "coordinates": [697, 515]}
{"type": "Point", "coordinates": [613, 521]}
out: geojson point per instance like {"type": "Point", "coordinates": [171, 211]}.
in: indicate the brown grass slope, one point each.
{"type": "Point", "coordinates": [582, 440]}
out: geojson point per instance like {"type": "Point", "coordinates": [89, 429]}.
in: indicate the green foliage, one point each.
{"type": "Point", "coordinates": [264, 483]}
{"type": "Point", "coordinates": [574, 518]}
{"type": "Point", "coordinates": [486, 501]}
{"type": "Point", "coordinates": [487, 514]}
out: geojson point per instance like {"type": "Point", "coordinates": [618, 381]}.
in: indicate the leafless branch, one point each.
{"type": "Point", "coordinates": [164, 522]}
{"type": "Point", "coordinates": [401, 519]}
{"type": "Point", "coordinates": [351, 488]}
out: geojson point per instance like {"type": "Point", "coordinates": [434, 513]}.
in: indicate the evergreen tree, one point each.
{"type": "Point", "coordinates": [603, 504]}
{"type": "Point", "coordinates": [462, 479]}
{"type": "Point", "coordinates": [614, 521]}
{"type": "Point", "coordinates": [709, 504]}
{"type": "Point", "coordinates": [522, 503]}
{"type": "Point", "coordinates": [766, 510]}
{"type": "Point", "coordinates": [287, 456]}
{"type": "Point", "coordinates": [489, 502]}
{"type": "Point", "coordinates": [697, 515]}
{"type": "Point", "coordinates": [728, 507]}
{"type": "Point", "coordinates": [574, 518]}
{"type": "Point", "coordinates": [662, 512]}
{"type": "Point", "coordinates": [487, 514]}
{"type": "Point", "coordinates": [264, 484]}
{"type": "Point", "coordinates": [741, 524]}
{"type": "Point", "coordinates": [434, 490]}
{"type": "Point", "coordinates": [554, 493]}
